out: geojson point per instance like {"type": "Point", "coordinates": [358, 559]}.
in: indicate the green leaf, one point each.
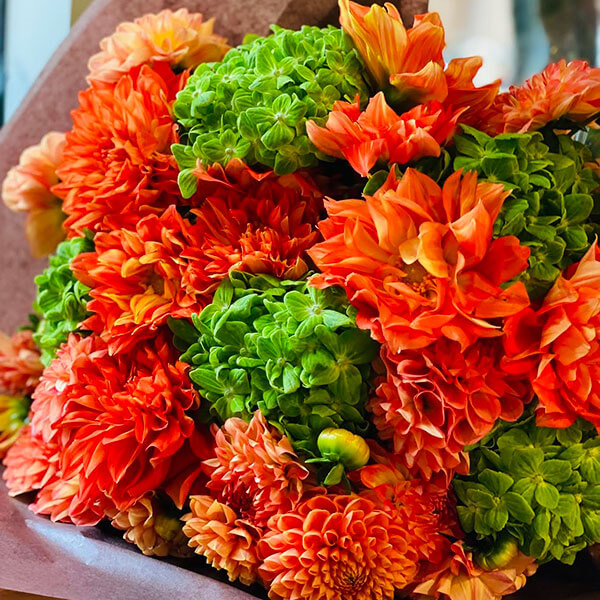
{"type": "Point", "coordinates": [497, 483]}
{"type": "Point", "coordinates": [556, 471]}
{"type": "Point", "coordinates": [499, 166]}
{"type": "Point", "coordinates": [299, 305]}
{"type": "Point", "coordinates": [277, 136]}
{"type": "Point", "coordinates": [187, 182]}
{"type": "Point", "coordinates": [546, 495]}
{"type": "Point", "coordinates": [526, 462]}
{"type": "Point", "coordinates": [335, 475]}
{"type": "Point", "coordinates": [591, 525]}
{"type": "Point", "coordinates": [518, 507]}
{"type": "Point", "coordinates": [206, 379]}
{"type": "Point", "coordinates": [291, 381]}
{"type": "Point", "coordinates": [578, 207]}
{"type": "Point", "coordinates": [575, 237]}
{"type": "Point", "coordinates": [497, 517]}
{"type": "Point", "coordinates": [541, 525]}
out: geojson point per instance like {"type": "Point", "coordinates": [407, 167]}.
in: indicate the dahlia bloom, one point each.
{"type": "Point", "coordinates": [380, 134]}
{"type": "Point", "coordinates": [180, 38]}
{"type": "Point", "coordinates": [461, 579]}
{"type": "Point", "coordinates": [255, 475]}
{"type": "Point", "coordinates": [419, 263]}
{"type": "Point", "coordinates": [557, 346]}
{"type": "Point", "coordinates": [28, 188]}
{"type": "Point", "coordinates": [408, 64]}
{"type": "Point", "coordinates": [13, 413]}
{"type": "Point", "coordinates": [336, 547]}
{"type": "Point", "coordinates": [119, 421]}
{"type": "Point", "coordinates": [214, 533]}
{"type": "Point", "coordinates": [561, 90]}
{"type": "Point", "coordinates": [117, 165]}
{"type": "Point", "coordinates": [153, 531]}
{"type": "Point", "coordinates": [20, 365]}
{"type": "Point", "coordinates": [439, 399]}
{"type": "Point", "coordinates": [30, 463]}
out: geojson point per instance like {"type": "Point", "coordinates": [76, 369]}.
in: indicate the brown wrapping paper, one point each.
{"type": "Point", "coordinates": [64, 561]}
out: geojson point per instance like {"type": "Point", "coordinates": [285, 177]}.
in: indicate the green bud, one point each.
{"type": "Point", "coordinates": [345, 447]}
{"type": "Point", "coordinates": [500, 554]}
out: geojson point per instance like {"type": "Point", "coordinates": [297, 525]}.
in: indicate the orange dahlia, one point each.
{"type": "Point", "coordinates": [419, 263]}
{"type": "Point", "coordinates": [558, 346]}
{"type": "Point", "coordinates": [28, 188]}
{"type": "Point", "coordinates": [20, 365]}
{"type": "Point", "coordinates": [117, 164]}
{"type": "Point", "coordinates": [30, 463]}
{"type": "Point", "coordinates": [461, 579]}
{"type": "Point", "coordinates": [380, 134]}
{"type": "Point", "coordinates": [562, 90]}
{"type": "Point", "coordinates": [150, 528]}
{"type": "Point", "coordinates": [180, 38]}
{"type": "Point", "coordinates": [336, 547]}
{"type": "Point", "coordinates": [255, 475]}
{"type": "Point", "coordinates": [439, 399]}
{"type": "Point", "coordinates": [13, 414]}
{"type": "Point", "coordinates": [214, 533]}
{"type": "Point", "coordinates": [119, 421]}
{"type": "Point", "coordinates": [408, 64]}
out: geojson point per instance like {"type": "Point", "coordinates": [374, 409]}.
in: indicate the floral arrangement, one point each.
{"type": "Point", "coordinates": [317, 309]}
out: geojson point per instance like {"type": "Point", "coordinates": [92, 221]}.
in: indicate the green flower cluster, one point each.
{"type": "Point", "coordinates": [551, 201]}
{"type": "Point", "coordinates": [536, 485]}
{"type": "Point", "coordinates": [288, 349]}
{"type": "Point", "coordinates": [254, 104]}
{"type": "Point", "coordinates": [61, 300]}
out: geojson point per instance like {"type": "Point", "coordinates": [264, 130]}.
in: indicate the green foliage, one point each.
{"type": "Point", "coordinates": [255, 103]}
{"type": "Point", "coordinates": [538, 485]}
{"type": "Point", "coordinates": [551, 201]}
{"type": "Point", "coordinates": [61, 300]}
{"type": "Point", "coordinates": [290, 350]}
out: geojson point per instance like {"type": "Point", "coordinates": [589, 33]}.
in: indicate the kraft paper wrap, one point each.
{"type": "Point", "coordinates": [63, 561]}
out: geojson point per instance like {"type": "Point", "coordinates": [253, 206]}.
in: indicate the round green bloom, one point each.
{"type": "Point", "coordinates": [61, 300]}
{"type": "Point", "coordinates": [254, 104]}
{"type": "Point", "coordinates": [288, 349]}
{"type": "Point", "coordinates": [537, 485]}
{"type": "Point", "coordinates": [550, 205]}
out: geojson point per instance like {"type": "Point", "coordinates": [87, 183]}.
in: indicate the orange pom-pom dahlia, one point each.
{"type": "Point", "coordinates": [439, 399]}
{"type": "Point", "coordinates": [20, 365]}
{"type": "Point", "coordinates": [561, 90]}
{"type": "Point", "coordinates": [255, 475]}
{"type": "Point", "coordinates": [558, 348]}
{"type": "Point", "coordinates": [119, 421]}
{"type": "Point", "coordinates": [180, 38]}
{"type": "Point", "coordinates": [380, 134]}
{"type": "Point", "coordinates": [117, 164]}
{"type": "Point", "coordinates": [419, 263]}
{"type": "Point", "coordinates": [336, 547]}
{"type": "Point", "coordinates": [28, 188]}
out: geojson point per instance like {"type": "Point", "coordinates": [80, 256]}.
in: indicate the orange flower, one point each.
{"type": "Point", "coordinates": [119, 421]}
{"type": "Point", "coordinates": [419, 263]}
{"type": "Point", "coordinates": [214, 533]}
{"type": "Point", "coordinates": [150, 528]}
{"type": "Point", "coordinates": [27, 188]}
{"type": "Point", "coordinates": [255, 475]}
{"type": "Point", "coordinates": [408, 64]}
{"type": "Point", "coordinates": [13, 413]}
{"type": "Point", "coordinates": [570, 91]}
{"type": "Point", "coordinates": [439, 399]}
{"type": "Point", "coordinates": [336, 547]}
{"type": "Point", "coordinates": [558, 347]}
{"type": "Point", "coordinates": [117, 164]}
{"type": "Point", "coordinates": [30, 463]}
{"type": "Point", "coordinates": [180, 38]}
{"type": "Point", "coordinates": [20, 365]}
{"type": "Point", "coordinates": [380, 134]}
{"type": "Point", "coordinates": [461, 579]}
{"type": "Point", "coordinates": [166, 266]}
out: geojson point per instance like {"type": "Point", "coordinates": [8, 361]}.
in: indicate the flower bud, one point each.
{"type": "Point", "coordinates": [503, 551]}
{"type": "Point", "coordinates": [343, 446]}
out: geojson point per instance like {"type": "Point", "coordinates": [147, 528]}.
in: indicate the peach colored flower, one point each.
{"type": "Point", "coordinates": [461, 579]}
{"type": "Point", "coordinates": [27, 188]}
{"type": "Point", "coordinates": [334, 547]}
{"type": "Point", "coordinates": [150, 528]}
{"type": "Point", "coordinates": [180, 38]}
{"type": "Point", "coordinates": [419, 263]}
{"type": "Point", "coordinates": [20, 365]}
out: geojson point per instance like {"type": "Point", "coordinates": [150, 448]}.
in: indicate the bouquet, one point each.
{"type": "Point", "coordinates": [317, 309]}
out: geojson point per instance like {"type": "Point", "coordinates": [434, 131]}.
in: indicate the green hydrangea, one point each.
{"type": "Point", "coordinates": [290, 350]}
{"type": "Point", "coordinates": [61, 299]}
{"type": "Point", "coordinates": [254, 104]}
{"type": "Point", "coordinates": [551, 201]}
{"type": "Point", "coordinates": [537, 485]}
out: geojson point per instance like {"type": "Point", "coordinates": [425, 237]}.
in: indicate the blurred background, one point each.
{"type": "Point", "coordinates": [515, 37]}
